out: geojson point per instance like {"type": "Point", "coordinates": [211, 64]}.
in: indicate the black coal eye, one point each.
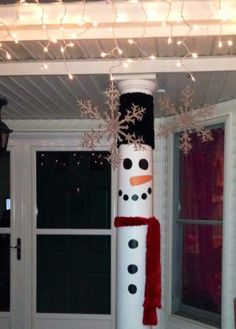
{"type": "Point", "coordinates": [143, 164]}
{"type": "Point", "coordinates": [127, 163]}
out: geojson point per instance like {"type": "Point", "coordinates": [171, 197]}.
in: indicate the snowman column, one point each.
{"type": "Point", "coordinates": [138, 233]}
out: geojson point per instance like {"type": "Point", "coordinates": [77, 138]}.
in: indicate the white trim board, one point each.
{"type": "Point", "coordinates": [138, 66]}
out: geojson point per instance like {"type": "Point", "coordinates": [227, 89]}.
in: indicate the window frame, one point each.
{"type": "Point", "coordinates": [178, 307]}
{"type": "Point", "coordinates": [223, 114]}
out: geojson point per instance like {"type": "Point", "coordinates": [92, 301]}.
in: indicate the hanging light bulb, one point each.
{"type": "Point", "coordinates": [8, 56]}
{"type": "Point", "coordinates": [44, 66]}
{"type": "Point", "coordinates": [152, 57]}
{"type": "Point", "coordinates": [178, 64]}
{"type": "Point", "coordinates": [70, 76]}
{"type": "Point", "coordinates": [220, 44]}
{"type": "Point", "coordinates": [194, 55]}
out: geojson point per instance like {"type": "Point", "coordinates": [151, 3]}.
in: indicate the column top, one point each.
{"type": "Point", "coordinates": [137, 86]}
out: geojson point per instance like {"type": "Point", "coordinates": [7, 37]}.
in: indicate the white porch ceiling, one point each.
{"type": "Point", "coordinates": [55, 96]}
{"type": "Point", "coordinates": [33, 93]}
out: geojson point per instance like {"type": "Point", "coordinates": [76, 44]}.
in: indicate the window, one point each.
{"type": "Point", "coordinates": [198, 225]}
{"type": "Point", "coordinates": [73, 233]}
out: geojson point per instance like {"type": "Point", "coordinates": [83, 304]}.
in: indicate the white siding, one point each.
{"type": "Point", "coordinates": [229, 259]}
{"type": "Point", "coordinates": [158, 202]}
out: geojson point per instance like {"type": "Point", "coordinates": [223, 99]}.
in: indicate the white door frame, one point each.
{"type": "Point", "coordinates": [13, 319]}
{"type": "Point", "coordinates": [23, 147]}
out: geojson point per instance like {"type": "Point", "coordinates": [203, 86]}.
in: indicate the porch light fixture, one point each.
{"type": "Point", "coordinates": [4, 130]}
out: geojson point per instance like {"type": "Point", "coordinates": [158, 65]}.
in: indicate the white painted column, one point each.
{"type": "Point", "coordinates": [135, 191]}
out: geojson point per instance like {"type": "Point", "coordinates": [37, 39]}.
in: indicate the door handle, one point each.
{"type": "Point", "coordinates": [18, 248]}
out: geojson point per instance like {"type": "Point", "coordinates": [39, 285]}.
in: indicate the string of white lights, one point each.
{"type": "Point", "coordinates": [85, 24]}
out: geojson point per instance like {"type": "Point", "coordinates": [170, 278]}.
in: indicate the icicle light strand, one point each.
{"type": "Point", "coordinates": [116, 52]}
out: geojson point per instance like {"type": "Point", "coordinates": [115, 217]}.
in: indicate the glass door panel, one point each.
{"type": "Point", "coordinates": [73, 274]}
{"type": "Point", "coordinates": [5, 190]}
{"type": "Point", "coordinates": [73, 235]}
{"type": "Point", "coordinates": [4, 273]}
{"type": "Point", "coordinates": [73, 190]}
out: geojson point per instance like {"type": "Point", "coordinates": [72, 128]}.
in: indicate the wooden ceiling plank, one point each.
{"type": "Point", "coordinates": [83, 87]}
{"type": "Point", "coordinates": [59, 94]}
{"type": "Point", "coordinates": [69, 90]}
{"type": "Point", "coordinates": [30, 51]}
{"type": "Point", "coordinates": [45, 96]}
{"type": "Point", "coordinates": [14, 96]}
{"type": "Point", "coordinates": [31, 96]}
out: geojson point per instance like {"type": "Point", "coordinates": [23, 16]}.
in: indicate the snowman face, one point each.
{"type": "Point", "coordinates": [135, 181]}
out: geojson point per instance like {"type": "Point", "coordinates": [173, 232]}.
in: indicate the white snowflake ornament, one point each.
{"type": "Point", "coordinates": [112, 127]}
{"type": "Point", "coordinates": [185, 119]}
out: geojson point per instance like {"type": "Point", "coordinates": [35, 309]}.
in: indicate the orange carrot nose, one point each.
{"type": "Point", "coordinates": [138, 180]}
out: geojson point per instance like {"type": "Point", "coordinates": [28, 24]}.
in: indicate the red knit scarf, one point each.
{"type": "Point", "coordinates": [152, 298]}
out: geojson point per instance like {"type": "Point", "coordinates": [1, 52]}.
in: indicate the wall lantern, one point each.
{"type": "Point", "coordinates": [4, 130]}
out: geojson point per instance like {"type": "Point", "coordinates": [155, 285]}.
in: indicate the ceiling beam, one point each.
{"type": "Point", "coordinates": [122, 19]}
{"type": "Point", "coordinates": [124, 31]}
{"type": "Point", "coordinates": [139, 66]}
